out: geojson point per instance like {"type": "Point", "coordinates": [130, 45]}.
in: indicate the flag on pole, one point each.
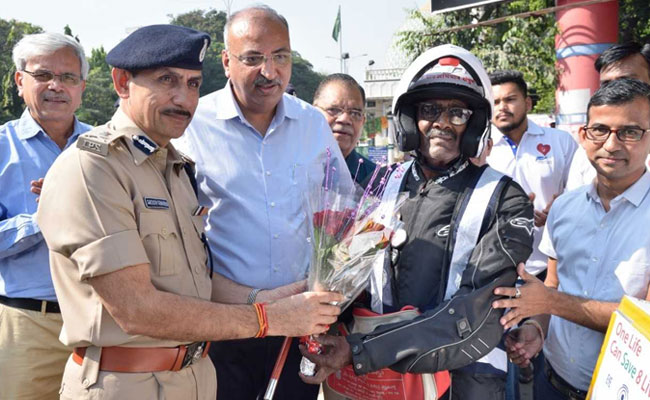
{"type": "Point", "coordinates": [337, 26]}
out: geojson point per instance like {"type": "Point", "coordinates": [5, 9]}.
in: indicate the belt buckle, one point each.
{"type": "Point", "coordinates": [193, 353]}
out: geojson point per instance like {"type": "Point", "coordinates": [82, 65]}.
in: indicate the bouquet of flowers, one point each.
{"type": "Point", "coordinates": [349, 232]}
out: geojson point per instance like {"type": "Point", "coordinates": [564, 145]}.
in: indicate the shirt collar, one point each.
{"type": "Point", "coordinates": [227, 107]}
{"type": "Point", "coordinates": [28, 127]}
{"type": "Point", "coordinates": [533, 128]}
{"type": "Point", "coordinates": [634, 194]}
{"type": "Point", "coordinates": [139, 143]}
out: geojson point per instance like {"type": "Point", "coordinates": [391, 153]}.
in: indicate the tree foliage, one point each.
{"type": "Point", "coordinates": [11, 105]}
{"type": "Point", "coordinates": [99, 98]}
{"type": "Point", "coordinates": [634, 21]}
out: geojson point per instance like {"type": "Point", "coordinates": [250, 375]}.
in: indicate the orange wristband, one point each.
{"type": "Point", "coordinates": [262, 321]}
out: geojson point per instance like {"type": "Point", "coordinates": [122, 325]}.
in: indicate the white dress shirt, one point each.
{"type": "Point", "coordinates": [254, 185]}
{"type": "Point", "coordinates": [540, 165]}
{"type": "Point", "coordinates": [600, 255]}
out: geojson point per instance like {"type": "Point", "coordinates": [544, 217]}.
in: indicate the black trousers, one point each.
{"type": "Point", "coordinates": [474, 386]}
{"type": "Point", "coordinates": [244, 368]}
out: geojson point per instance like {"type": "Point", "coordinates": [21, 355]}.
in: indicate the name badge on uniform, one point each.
{"type": "Point", "coordinates": [156, 204]}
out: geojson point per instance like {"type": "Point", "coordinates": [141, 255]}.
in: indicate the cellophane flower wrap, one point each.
{"type": "Point", "coordinates": [349, 230]}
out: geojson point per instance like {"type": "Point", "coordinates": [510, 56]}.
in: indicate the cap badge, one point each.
{"type": "Point", "coordinates": [203, 50]}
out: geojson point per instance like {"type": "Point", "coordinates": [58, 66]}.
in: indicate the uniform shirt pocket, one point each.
{"type": "Point", "coordinates": [160, 240]}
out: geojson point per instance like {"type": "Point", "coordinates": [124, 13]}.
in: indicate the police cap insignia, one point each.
{"type": "Point", "coordinates": [204, 50]}
{"type": "Point", "coordinates": [156, 46]}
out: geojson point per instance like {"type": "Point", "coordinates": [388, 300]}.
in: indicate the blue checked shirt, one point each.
{"type": "Point", "coordinates": [26, 153]}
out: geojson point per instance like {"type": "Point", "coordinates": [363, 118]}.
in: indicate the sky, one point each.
{"type": "Point", "coordinates": [368, 26]}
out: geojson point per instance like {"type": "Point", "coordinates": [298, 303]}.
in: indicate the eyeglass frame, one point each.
{"type": "Point", "coordinates": [264, 58]}
{"type": "Point", "coordinates": [616, 131]}
{"type": "Point", "coordinates": [342, 110]}
{"type": "Point", "coordinates": [444, 110]}
{"type": "Point", "coordinates": [38, 75]}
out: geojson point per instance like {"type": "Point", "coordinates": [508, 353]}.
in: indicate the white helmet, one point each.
{"type": "Point", "coordinates": [444, 72]}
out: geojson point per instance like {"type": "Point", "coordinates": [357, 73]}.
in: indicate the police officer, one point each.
{"type": "Point", "coordinates": [124, 229]}
{"type": "Point", "coordinates": [465, 229]}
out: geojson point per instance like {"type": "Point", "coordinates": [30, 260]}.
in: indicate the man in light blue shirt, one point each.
{"type": "Point", "coordinates": [50, 74]}
{"type": "Point", "coordinates": [597, 243]}
{"type": "Point", "coordinates": [255, 149]}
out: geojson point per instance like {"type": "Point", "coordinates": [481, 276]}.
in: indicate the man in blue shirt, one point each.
{"type": "Point", "coordinates": [342, 101]}
{"type": "Point", "coordinates": [50, 74]}
{"type": "Point", "coordinates": [597, 246]}
{"type": "Point", "coordinates": [255, 149]}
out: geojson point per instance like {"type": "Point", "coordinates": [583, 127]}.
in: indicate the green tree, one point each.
{"type": "Point", "coordinates": [99, 97]}
{"type": "Point", "coordinates": [634, 21]}
{"type": "Point", "coordinates": [11, 105]}
{"type": "Point", "coordinates": [304, 78]}
{"type": "Point", "coordinates": [524, 44]}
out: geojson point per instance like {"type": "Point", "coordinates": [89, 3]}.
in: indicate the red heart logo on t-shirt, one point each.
{"type": "Point", "coordinates": [544, 148]}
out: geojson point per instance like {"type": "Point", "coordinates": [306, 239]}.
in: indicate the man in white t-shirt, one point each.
{"type": "Point", "coordinates": [625, 60]}
{"type": "Point", "coordinates": [537, 158]}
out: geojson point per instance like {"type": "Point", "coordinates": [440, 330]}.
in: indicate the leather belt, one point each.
{"type": "Point", "coordinates": [561, 385]}
{"type": "Point", "coordinates": [146, 359]}
{"type": "Point", "coordinates": [31, 304]}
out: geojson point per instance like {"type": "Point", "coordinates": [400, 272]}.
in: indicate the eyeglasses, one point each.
{"type": "Point", "coordinates": [254, 60]}
{"type": "Point", "coordinates": [65, 78]}
{"type": "Point", "coordinates": [600, 134]}
{"type": "Point", "coordinates": [455, 115]}
{"type": "Point", "coordinates": [335, 112]}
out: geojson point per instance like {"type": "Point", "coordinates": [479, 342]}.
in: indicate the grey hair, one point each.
{"type": "Point", "coordinates": [41, 44]}
{"type": "Point", "coordinates": [260, 7]}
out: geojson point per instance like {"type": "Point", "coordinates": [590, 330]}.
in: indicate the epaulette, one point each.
{"type": "Point", "coordinates": [97, 140]}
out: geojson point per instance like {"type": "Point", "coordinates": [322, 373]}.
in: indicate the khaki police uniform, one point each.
{"type": "Point", "coordinates": [115, 201]}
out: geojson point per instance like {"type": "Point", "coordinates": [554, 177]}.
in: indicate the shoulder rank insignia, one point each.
{"type": "Point", "coordinates": [144, 144]}
{"type": "Point", "coordinates": [94, 143]}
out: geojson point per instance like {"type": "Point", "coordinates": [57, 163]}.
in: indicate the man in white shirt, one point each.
{"type": "Point", "coordinates": [254, 147]}
{"type": "Point", "coordinates": [536, 157]}
{"type": "Point", "coordinates": [625, 60]}
{"type": "Point", "coordinates": [597, 242]}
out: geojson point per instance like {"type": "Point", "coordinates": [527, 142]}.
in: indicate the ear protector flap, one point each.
{"type": "Point", "coordinates": [476, 134]}
{"type": "Point", "coordinates": [406, 132]}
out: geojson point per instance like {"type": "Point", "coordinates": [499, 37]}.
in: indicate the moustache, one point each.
{"type": "Point", "coordinates": [55, 97]}
{"type": "Point", "coordinates": [263, 81]}
{"type": "Point", "coordinates": [504, 114]}
{"type": "Point", "coordinates": [348, 130]}
{"type": "Point", "coordinates": [441, 133]}
{"type": "Point", "coordinates": [177, 111]}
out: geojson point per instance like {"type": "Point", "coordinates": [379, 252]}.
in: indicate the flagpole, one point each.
{"type": "Point", "coordinates": [341, 42]}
